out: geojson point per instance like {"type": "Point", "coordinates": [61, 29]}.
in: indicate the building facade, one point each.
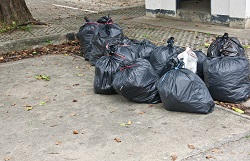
{"type": "Point", "coordinates": [235, 13]}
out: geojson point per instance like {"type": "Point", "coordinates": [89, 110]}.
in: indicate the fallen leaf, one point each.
{"type": "Point", "coordinates": [151, 105]}
{"type": "Point", "coordinates": [238, 110]}
{"type": "Point", "coordinates": [7, 158]}
{"type": "Point", "coordinates": [247, 46]}
{"type": "Point", "coordinates": [43, 77]}
{"type": "Point", "coordinates": [173, 157]}
{"type": "Point", "coordinates": [28, 107]}
{"type": "Point", "coordinates": [215, 150]}
{"type": "Point", "coordinates": [126, 124]}
{"type": "Point", "coordinates": [53, 125]}
{"type": "Point", "coordinates": [42, 103]}
{"type": "Point", "coordinates": [123, 124]}
{"type": "Point", "coordinates": [190, 146]}
{"type": "Point", "coordinates": [141, 113]}
{"type": "Point", "coordinates": [209, 157]}
{"type": "Point", "coordinates": [79, 75]}
{"type": "Point", "coordinates": [206, 45]}
{"type": "Point", "coordinates": [73, 114]}
{"type": "Point", "coordinates": [58, 142]}
{"type": "Point", "coordinates": [75, 132]}
{"type": "Point", "coordinates": [117, 140]}
{"type": "Point", "coordinates": [129, 122]}
{"type": "Point", "coordinates": [112, 111]}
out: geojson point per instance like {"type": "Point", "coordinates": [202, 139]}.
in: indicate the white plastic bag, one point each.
{"type": "Point", "coordinates": [190, 59]}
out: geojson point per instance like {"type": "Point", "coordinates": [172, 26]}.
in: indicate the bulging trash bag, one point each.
{"type": "Point", "coordinates": [136, 81]}
{"type": "Point", "coordinates": [189, 58]}
{"type": "Point", "coordinates": [85, 36]}
{"type": "Point", "coordinates": [183, 91]}
{"type": "Point", "coordinates": [145, 48]}
{"type": "Point", "coordinates": [106, 33]}
{"type": "Point", "coordinates": [160, 56]}
{"type": "Point", "coordinates": [201, 59]}
{"type": "Point", "coordinates": [227, 78]}
{"type": "Point", "coordinates": [227, 46]}
{"type": "Point", "coordinates": [105, 20]}
{"type": "Point", "coordinates": [123, 52]}
{"type": "Point", "coordinates": [105, 69]}
{"type": "Point", "coordinates": [127, 41]}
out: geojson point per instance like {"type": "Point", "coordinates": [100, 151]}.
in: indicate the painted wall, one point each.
{"type": "Point", "coordinates": [238, 8]}
{"type": "Point", "coordinates": [152, 4]}
{"type": "Point", "coordinates": [161, 4]}
{"type": "Point", "coordinates": [248, 9]}
{"type": "Point", "coordinates": [220, 7]}
{"type": "Point", "coordinates": [231, 8]}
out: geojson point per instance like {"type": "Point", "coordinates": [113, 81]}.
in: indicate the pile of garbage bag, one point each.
{"type": "Point", "coordinates": [226, 70]}
{"type": "Point", "coordinates": [183, 79]}
{"type": "Point", "coordinates": [182, 90]}
{"type": "Point", "coordinates": [136, 81]}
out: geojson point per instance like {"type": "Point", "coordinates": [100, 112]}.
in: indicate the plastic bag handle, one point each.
{"type": "Point", "coordinates": [86, 19]}
{"type": "Point", "coordinates": [225, 36]}
{"type": "Point", "coordinates": [170, 41]}
{"type": "Point", "coordinates": [128, 66]}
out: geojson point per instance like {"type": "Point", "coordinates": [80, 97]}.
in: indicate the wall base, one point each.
{"type": "Point", "coordinates": [199, 16]}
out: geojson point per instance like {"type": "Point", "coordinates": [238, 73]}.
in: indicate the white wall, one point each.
{"type": "Point", "coordinates": [161, 4]}
{"type": "Point", "coordinates": [248, 9]}
{"type": "Point", "coordinates": [220, 7]}
{"type": "Point", "coordinates": [168, 5]}
{"type": "Point", "coordinates": [238, 8]}
{"type": "Point", "coordinates": [232, 8]}
{"type": "Point", "coordinates": [152, 4]}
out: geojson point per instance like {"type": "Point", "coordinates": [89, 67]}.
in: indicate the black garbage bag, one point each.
{"type": "Point", "coordinates": [127, 41]}
{"type": "Point", "coordinates": [107, 33]}
{"type": "Point", "coordinates": [136, 81]}
{"type": "Point", "coordinates": [183, 91]}
{"type": "Point", "coordinates": [105, 69]}
{"type": "Point", "coordinates": [123, 52]}
{"type": "Point", "coordinates": [201, 59]}
{"type": "Point", "coordinates": [145, 48]}
{"type": "Point", "coordinates": [85, 36]}
{"type": "Point", "coordinates": [227, 78]}
{"type": "Point", "coordinates": [227, 46]}
{"type": "Point", "coordinates": [105, 20]}
{"type": "Point", "coordinates": [161, 55]}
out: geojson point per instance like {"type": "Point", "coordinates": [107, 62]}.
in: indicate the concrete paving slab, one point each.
{"type": "Point", "coordinates": [45, 133]}
{"type": "Point", "coordinates": [232, 151]}
{"type": "Point", "coordinates": [194, 26]}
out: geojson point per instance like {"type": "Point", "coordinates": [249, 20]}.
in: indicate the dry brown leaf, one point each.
{"type": "Point", "coordinates": [209, 157]}
{"type": "Point", "coordinates": [129, 122]}
{"type": "Point", "coordinates": [173, 157]}
{"type": "Point", "coordinates": [7, 158]}
{"type": "Point", "coordinates": [215, 150]}
{"type": "Point", "coordinates": [117, 140]}
{"type": "Point", "coordinates": [75, 132]}
{"type": "Point", "coordinates": [141, 113]}
{"type": "Point", "coordinates": [190, 146]}
{"type": "Point", "coordinates": [58, 142]}
{"type": "Point", "coordinates": [73, 114]}
{"type": "Point", "coordinates": [151, 105]}
{"type": "Point", "coordinates": [28, 107]}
